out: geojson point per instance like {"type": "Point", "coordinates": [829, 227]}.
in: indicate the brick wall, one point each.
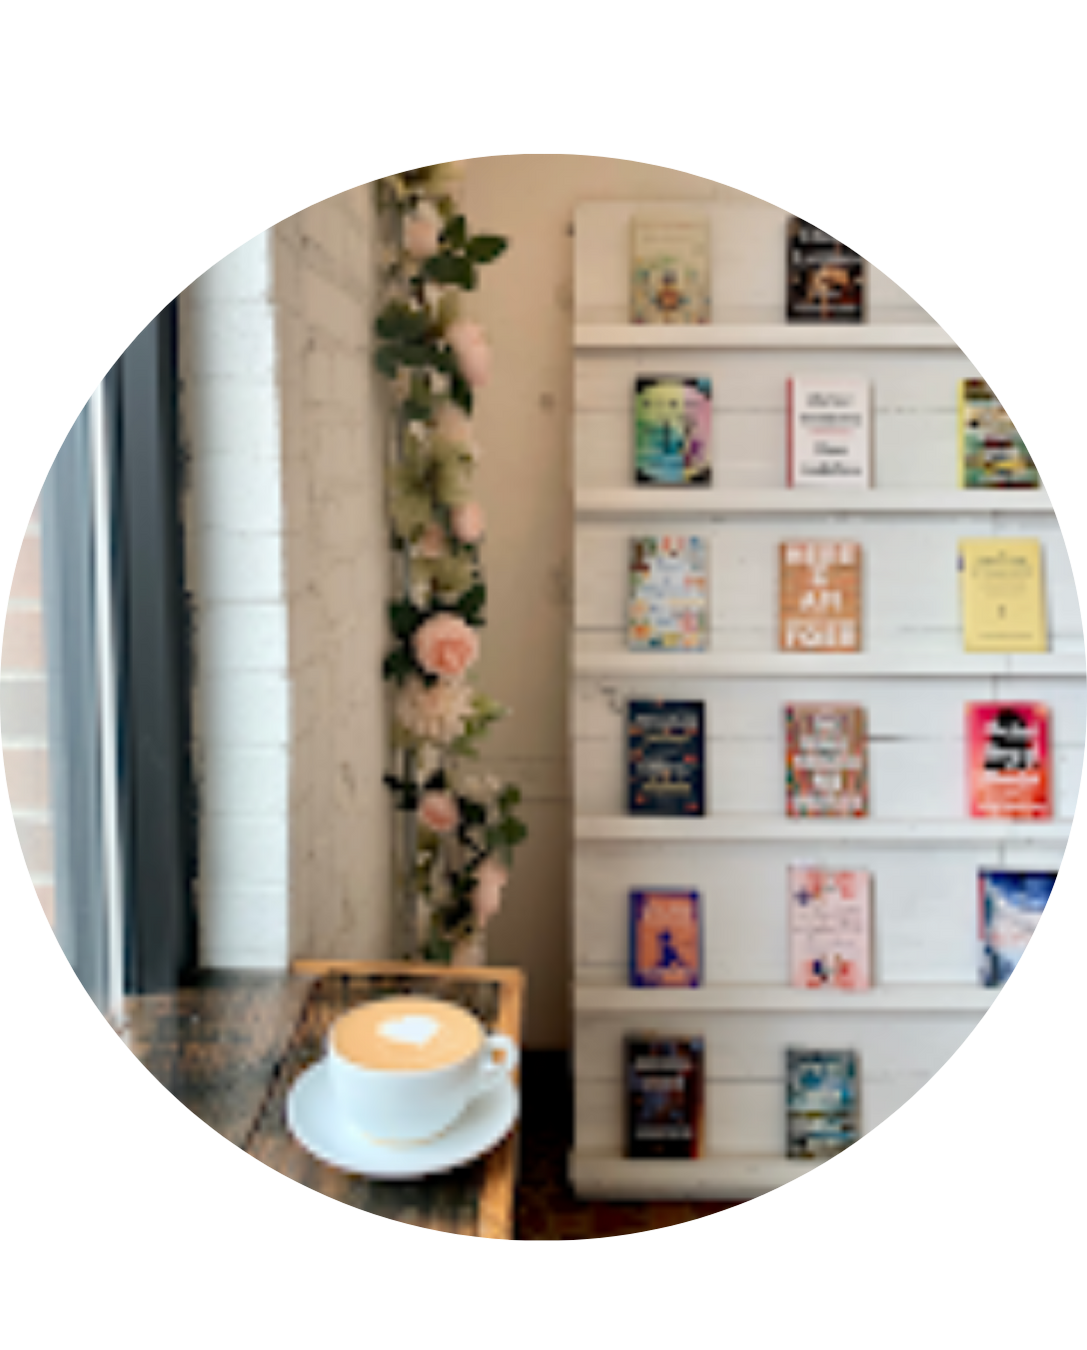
{"type": "Point", "coordinates": [287, 563]}
{"type": "Point", "coordinates": [24, 716]}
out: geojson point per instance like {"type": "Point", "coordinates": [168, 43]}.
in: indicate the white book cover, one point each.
{"type": "Point", "coordinates": [829, 431]}
{"type": "Point", "coordinates": [830, 928]}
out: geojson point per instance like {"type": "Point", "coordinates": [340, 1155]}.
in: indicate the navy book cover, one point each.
{"type": "Point", "coordinates": [666, 754]}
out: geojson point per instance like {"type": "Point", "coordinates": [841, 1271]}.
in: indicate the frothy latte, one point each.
{"type": "Point", "coordinates": [406, 1034]}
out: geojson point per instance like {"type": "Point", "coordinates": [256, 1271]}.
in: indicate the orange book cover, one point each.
{"type": "Point", "coordinates": [820, 594]}
{"type": "Point", "coordinates": [665, 939]}
{"type": "Point", "coordinates": [1008, 761]}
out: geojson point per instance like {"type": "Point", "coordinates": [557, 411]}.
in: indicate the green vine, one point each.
{"type": "Point", "coordinates": [461, 823]}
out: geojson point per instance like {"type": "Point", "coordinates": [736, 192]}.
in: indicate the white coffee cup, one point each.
{"type": "Point", "coordinates": [403, 1069]}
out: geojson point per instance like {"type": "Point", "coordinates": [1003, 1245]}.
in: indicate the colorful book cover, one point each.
{"type": "Point", "coordinates": [672, 426]}
{"type": "Point", "coordinates": [830, 928]}
{"type": "Point", "coordinates": [826, 760]}
{"type": "Point", "coordinates": [1003, 596]}
{"type": "Point", "coordinates": [822, 1111]}
{"type": "Point", "coordinates": [991, 451]}
{"type": "Point", "coordinates": [820, 596]}
{"type": "Point", "coordinates": [829, 431]}
{"type": "Point", "coordinates": [665, 939]}
{"type": "Point", "coordinates": [666, 757]}
{"type": "Point", "coordinates": [668, 593]}
{"type": "Point", "coordinates": [664, 1082]}
{"type": "Point", "coordinates": [824, 278]}
{"type": "Point", "coordinates": [670, 272]}
{"type": "Point", "coordinates": [1009, 907]}
{"type": "Point", "coordinates": [1008, 761]}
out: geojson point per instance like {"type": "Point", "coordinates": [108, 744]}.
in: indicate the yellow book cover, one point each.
{"type": "Point", "coordinates": [1003, 598]}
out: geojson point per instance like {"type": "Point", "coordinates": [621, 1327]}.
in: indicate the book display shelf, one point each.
{"type": "Point", "coordinates": [918, 841]}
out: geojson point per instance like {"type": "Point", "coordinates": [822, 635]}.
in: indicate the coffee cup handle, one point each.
{"type": "Point", "coordinates": [492, 1070]}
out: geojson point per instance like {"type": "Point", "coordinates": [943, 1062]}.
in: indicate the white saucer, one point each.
{"type": "Point", "coordinates": [319, 1126]}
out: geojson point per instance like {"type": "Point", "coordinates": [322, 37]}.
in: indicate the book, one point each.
{"type": "Point", "coordinates": [665, 939]}
{"type": "Point", "coordinates": [820, 596]}
{"type": "Point", "coordinates": [670, 270]}
{"type": "Point", "coordinates": [824, 277]}
{"type": "Point", "coordinates": [1003, 596]}
{"type": "Point", "coordinates": [991, 451]}
{"type": "Point", "coordinates": [1010, 903]}
{"type": "Point", "coordinates": [664, 1092]}
{"type": "Point", "coordinates": [666, 757]}
{"type": "Point", "coordinates": [1008, 761]}
{"type": "Point", "coordinates": [826, 760]}
{"type": "Point", "coordinates": [672, 423]}
{"type": "Point", "coordinates": [830, 928]}
{"type": "Point", "coordinates": [668, 587]}
{"type": "Point", "coordinates": [829, 431]}
{"type": "Point", "coordinates": [822, 1110]}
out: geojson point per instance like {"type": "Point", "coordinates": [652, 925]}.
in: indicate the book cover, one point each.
{"type": "Point", "coordinates": [1003, 596]}
{"type": "Point", "coordinates": [666, 757]}
{"type": "Point", "coordinates": [664, 1082]}
{"type": "Point", "coordinates": [822, 1109]}
{"type": "Point", "coordinates": [830, 928]}
{"type": "Point", "coordinates": [824, 277]}
{"type": "Point", "coordinates": [1008, 761]}
{"type": "Point", "coordinates": [668, 593]}
{"type": "Point", "coordinates": [665, 939]}
{"type": "Point", "coordinates": [1010, 903]}
{"type": "Point", "coordinates": [672, 425]}
{"type": "Point", "coordinates": [829, 432]}
{"type": "Point", "coordinates": [820, 596]}
{"type": "Point", "coordinates": [991, 451]}
{"type": "Point", "coordinates": [670, 270]}
{"type": "Point", "coordinates": [826, 760]}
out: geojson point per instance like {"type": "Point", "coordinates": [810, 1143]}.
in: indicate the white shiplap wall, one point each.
{"type": "Point", "coordinates": [912, 678]}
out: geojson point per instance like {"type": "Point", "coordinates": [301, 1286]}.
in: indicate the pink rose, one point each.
{"type": "Point", "coordinates": [421, 231]}
{"type": "Point", "coordinates": [445, 645]}
{"type": "Point", "coordinates": [452, 424]}
{"type": "Point", "coordinates": [431, 543]}
{"type": "Point", "coordinates": [491, 876]}
{"type": "Point", "coordinates": [438, 812]}
{"type": "Point", "coordinates": [471, 350]}
{"type": "Point", "coordinates": [468, 522]}
{"type": "Point", "coordinates": [436, 712]}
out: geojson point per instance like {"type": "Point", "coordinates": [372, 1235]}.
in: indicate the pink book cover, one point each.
{"type": "Point", "coordinates": [1008, 761]}
{"type": "Point", "coordinates": [830, 928]}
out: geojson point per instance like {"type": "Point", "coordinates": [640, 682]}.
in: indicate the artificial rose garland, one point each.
{"type": "Point", "coordinates": [461, 825]}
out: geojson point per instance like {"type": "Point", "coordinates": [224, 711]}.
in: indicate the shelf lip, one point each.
{"type": "Point", "coordinates": [799, 831]}
{"type": "Point", "coordinates": [861, 665]}
{"type": "Point", "coordinates": [636, 501]}
{"type": "Point", "coordinates": [716, 1177]}
{"type": "Point", "coordinates": [762, 998]}
{"type": "Point", "coordinates": [781, 336]}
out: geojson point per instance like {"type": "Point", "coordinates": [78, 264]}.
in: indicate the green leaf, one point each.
{"type": "Point", "coordinates": [460, 391]}
{"type": "Point", "coordinates": [417, 409]}
{"type": "Point", "coordinates": [387, 360]}
{"type": "Point", "coordinates": [397, 665]}
{"type": "Point", "coordinates": [485, 248]}
{"type": "Point", "coordinates": [455, 232]}
{"type": "Point", "coordinates": [400, 322]}
{"type": "Point", "coordinates": [415, 354]}
{"type": "Point", "coordinates": [404, 618]}
{"type": "Point", "coordinates": [470, 605]}
{"type": "Point", "coordinates": [449, 269]}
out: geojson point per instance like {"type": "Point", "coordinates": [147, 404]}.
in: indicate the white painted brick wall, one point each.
{"type": "Point", "coordinates": [288, 563]}
{"type": "Point", "coordinates": [232, 432]}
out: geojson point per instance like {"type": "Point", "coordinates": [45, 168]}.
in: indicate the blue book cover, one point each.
{"type": "Point", "coordinates": [666, 754]}
{"type": "Point", "coordinates": [665, 939]}
{"type": "Point", "coordinates": [1010, 903]}
{"type": "Point", "coordinates": [822, 1109]}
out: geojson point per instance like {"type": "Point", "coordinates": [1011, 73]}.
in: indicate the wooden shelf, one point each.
{"type": "Point", "coordinates": [772, 998]}
{"type": "Point", "coordinates": [797, 336]}
{"type": "Point", "coordinates": [860, 665]}
{"type": "Point", "coordinates": [715, 1178]}
{"type": "Point", "coordinates": [725, 502]}
{"type": "Point", "coordinates": [785, 830]}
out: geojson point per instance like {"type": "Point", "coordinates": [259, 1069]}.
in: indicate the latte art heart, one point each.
{"type": "Point", "coordinates": [409, 1030]}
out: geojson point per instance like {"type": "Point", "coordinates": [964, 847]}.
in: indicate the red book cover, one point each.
{"type": "Point", "coordinates": [1008, 761]}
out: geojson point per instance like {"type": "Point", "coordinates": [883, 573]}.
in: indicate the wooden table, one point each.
{"type": "Point", "coordinates": [230, 1047]}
